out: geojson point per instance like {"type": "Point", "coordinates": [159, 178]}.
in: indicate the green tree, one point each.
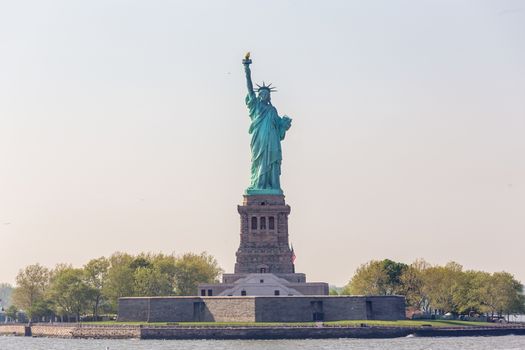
{"type": "Point", "coordinates": [70, 292]}
{"type": "Point", "coordinates": [102, 281]}
{"type": "Point", "coordinates": [334, 290]}
{"type": "Point", "coordinates": [369, 279]}
{"type": "Point", "coordinates": [152, 282]}
{"type": "Point", "coordinates": [154, 274]}
{"type": "Point", "coordinates": [516, 305]}
{"type": "Point", "coordinates": [119, 280]}
{"type": "Point", "coordinates": [192, 269]}
{"type": "Point", "coordinates": [394, 271]}
{"type": "Point", "coordinates": [166, 264]}
{"type": "Point", "coordinates": [441, 288]}
{"type": "Point", "coordinates": [377, 278]}
{"type": "Point", "coordinates": [440, 284]}
{"type": "Point", "coordinates": [141, 261]}
{"type": "Point", "coordinates": [42, 308]}
{"type": "Point", "coordinates": [471, 292]}
{"type": "Point", "coordinates": [31, 284]}
{"type": "Point", "coordinates": [412, 285]}
{"type": "Point", "coordinates": [12, 312]}
{"type": "Point", "coordinates": [498, 293]}
{"type": "Point", "coordinates": [509, 294]}
{"type": "Point", "coordinates": [96, 271]}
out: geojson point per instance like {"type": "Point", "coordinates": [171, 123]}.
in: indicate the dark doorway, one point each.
{"type": "Point", "coordinates": [369, 311]}
{"type": "Point", "coordinates": [317, 310]}
{"type": "Point", "coordinates": [318, 316]}
{"type": "Point", "coordinates": [198, 310]}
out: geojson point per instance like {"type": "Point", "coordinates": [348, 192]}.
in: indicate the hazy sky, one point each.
{"type": "Point", "coordinates": [123, 128]}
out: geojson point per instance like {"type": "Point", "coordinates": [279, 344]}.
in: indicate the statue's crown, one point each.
{"type": "Point", "coordinates": [268, 87]}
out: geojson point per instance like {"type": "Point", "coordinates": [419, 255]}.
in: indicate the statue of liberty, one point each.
{"type": "Point", "coordinates": [267, 130]}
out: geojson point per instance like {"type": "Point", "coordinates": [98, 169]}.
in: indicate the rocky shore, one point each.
{"type": "Point", "coordinates": [90, 331]}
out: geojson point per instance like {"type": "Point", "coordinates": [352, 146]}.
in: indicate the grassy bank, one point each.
{"type": "Point", "coordinates": [412, 323]}
{"type": "Point", "coordinates": [401, 323]}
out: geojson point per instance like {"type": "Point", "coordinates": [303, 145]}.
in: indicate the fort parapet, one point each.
{"type": "Point", "coordinates": [261, 308]}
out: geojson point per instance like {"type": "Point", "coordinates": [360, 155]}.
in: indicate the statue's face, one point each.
{"type": "Point", "coordinates": [264, 95]}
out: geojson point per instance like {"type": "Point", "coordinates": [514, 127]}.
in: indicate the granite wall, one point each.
{"type": "Point", "coordinates": [12, 329]}
{"type": "Point", "coordinates": [187, 309]}
{"type": "Point", "coordinates": [53, 330]}
{"type": "Point", "coordinates": [228, 332]}
{"type": "Point", "coordinates": [261, 309]}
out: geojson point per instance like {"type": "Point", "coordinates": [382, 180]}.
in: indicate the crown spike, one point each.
{"type": "Point", "coordinates": [268, 87]}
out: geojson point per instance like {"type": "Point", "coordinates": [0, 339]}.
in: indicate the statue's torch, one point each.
{"type": "Point", "coordinates": [247, 61]}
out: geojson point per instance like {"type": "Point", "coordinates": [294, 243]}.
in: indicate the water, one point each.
{"type": "Point", "coordinates": [464, 343]}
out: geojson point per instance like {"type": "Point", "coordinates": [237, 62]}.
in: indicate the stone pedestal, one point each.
{"type": "Point", "coordinates": [264, 246]}
{"type": "Point", "coordinates": [264, 264]}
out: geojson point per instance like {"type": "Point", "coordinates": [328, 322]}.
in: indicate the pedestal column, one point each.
{"type": "Point", "coordinates": [264, 246]}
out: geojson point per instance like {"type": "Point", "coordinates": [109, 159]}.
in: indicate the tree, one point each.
{"type": "Point", "coordinates": [119, 279]}
{"type": "Point", "coordinates": [12, 312]}
{"type": "Point", "coordinates": [334, 290]}
{"type": "Point", "coordinates": [440, 284]}
{"type": "Point", "coordinates": [153, 275]}
{"type": "Point", "coordinates": [31, 285]}
{"type": "Point", "coordinates": [152, 282]}
{"type": "Point", "coordinates": [441, 288]}
{"type": "Point", "coordinates": [157, 277]}
{"type": "Point", "coordinates": [42, 308]}
{"type": "Point", "coordinates": [369, 279]}
{"type": "Point", "coordinates": [70, 292]}
{"type": "Point", "coordinates": [472, 293]}
{"type": "Point", "coordinates": [157, 274]}
{"type": "Point", "coordinates": [377, 278]}
{"type": "Point", "coordinates": [394, 271]}
{"type": "Point", "coordinates": [96, 271]}
{"type": "Point", "coordinates": [192, 269]}
{"type": "Point", "coordinates": [166, 264]}
{"type": "Point", "coordinates": [102, 281]}
{"type": "Point", "coordinates": [412, 285]}
{"type": "Point", "coordinates": [509, 294]}
{"type": "Point", "coordinates": [498, 293]}
{"type": "Point", "coordinates": [141, 261]}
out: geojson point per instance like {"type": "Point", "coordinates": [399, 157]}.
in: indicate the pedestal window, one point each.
{"type": "Point", "coordinates": [271, 223]}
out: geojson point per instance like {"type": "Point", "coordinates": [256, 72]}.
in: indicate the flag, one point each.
{"type": "Point", "coordinates": [293, 255]}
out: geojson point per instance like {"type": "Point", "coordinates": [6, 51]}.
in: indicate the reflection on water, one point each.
{"type": "Point", "coordinates": [463, 343]}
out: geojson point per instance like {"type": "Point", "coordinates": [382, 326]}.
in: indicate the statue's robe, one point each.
{"type": "Point", "coordinates": [267, 130]}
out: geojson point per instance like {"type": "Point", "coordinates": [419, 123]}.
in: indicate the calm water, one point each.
{"type": "Point", "coordinates": [467, 343]}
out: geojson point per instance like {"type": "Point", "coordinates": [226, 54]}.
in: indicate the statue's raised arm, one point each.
{"type": "Point", "coordinates": [246, 62]}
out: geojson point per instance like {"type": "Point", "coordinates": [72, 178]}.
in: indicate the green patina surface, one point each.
{"type": "Point", "coordinates": [267, 129]}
